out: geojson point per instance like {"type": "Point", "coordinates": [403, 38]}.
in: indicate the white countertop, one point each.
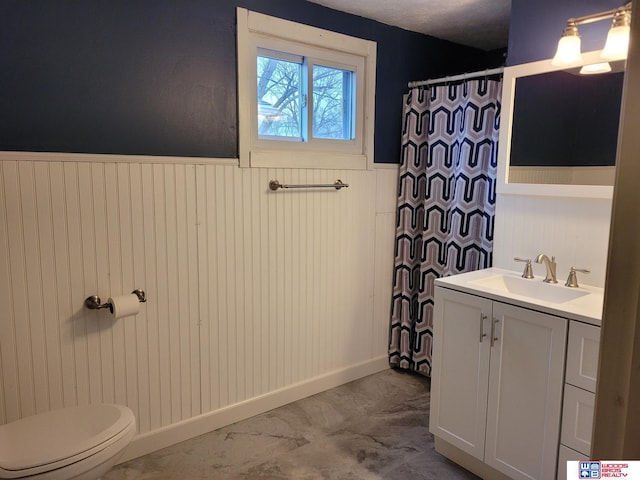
{"type": "Point", "coordinates": [587, 308]}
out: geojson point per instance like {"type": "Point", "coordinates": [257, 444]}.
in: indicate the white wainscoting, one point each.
{"type": "Point", "coordinates": [575, 230]}
{"type": "Point", "coordinates": [255, 298]}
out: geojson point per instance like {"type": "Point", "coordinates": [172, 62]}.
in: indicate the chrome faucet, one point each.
{"type": "Point", "coordinates": [551, 267]}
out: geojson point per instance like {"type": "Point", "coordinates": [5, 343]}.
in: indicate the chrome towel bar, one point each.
{"type": "Point", "coordinates": [338, 184]}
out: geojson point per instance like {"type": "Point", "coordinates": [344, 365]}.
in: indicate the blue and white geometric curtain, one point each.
{"type": "Point", "coordinates": [446, 204]}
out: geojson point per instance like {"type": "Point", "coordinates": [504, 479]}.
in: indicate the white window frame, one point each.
{"type": "Point", "coordinates": [318, 46]}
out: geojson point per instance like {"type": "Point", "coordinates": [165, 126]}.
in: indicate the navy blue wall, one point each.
{"type": "Point", "coordinates": [158, 77]}
{"type": "Point", "coordinates": [537, 25]}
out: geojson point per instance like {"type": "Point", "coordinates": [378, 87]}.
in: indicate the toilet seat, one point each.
{"type": "Point", "coordinates": [59, 438]}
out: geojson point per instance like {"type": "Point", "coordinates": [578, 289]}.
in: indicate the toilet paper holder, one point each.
{"type": "Point", "coordinates": [94, 303]}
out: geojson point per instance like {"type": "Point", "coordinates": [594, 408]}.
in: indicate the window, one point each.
{"type": "Point", "coordinates": [281, 95]}
{"type": "Point", "coordinates": [282, 98]}
{"type": "Point", "coordinates": [305, 95]}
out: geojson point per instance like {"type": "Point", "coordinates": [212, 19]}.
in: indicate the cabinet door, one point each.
{"type": "Point", "coordinates": [460, 369]}
{"type": "Point", "coordinates": [525, 392]}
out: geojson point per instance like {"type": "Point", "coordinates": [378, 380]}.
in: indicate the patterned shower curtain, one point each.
{"type": "Point", "coordinates": [446, 204]}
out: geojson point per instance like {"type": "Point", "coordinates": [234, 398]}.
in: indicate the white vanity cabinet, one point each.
{"type": "Point", "coordinates": [497, 383]}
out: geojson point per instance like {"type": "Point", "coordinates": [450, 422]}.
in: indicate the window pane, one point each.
{"type": "Point", "coordinates": [279, 112]}
{"type": "Point", "coordinates": [333, 103]}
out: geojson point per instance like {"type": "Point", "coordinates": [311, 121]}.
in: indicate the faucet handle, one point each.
{"type": "Point", "coordinates": [572, 280]}
{"type": "Point", "coordinates": [528, 271]}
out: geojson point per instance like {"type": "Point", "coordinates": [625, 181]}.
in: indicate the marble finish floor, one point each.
{"type": "Point", "coordinates": [372, 428]}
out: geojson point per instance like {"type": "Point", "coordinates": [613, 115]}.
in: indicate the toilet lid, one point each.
{"type": "Point", "coordinates": [69, 433]}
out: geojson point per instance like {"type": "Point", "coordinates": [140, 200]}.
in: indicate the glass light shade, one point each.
{"type": "Point", "coordinates": [595, 68]}
{"type": "Point", "coordinates": [568, 51]}
{"type": "Point", "coordinates": [617, 43]}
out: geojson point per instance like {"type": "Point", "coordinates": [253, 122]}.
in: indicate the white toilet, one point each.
{"type": "Point", "coordinates": [77, 443]}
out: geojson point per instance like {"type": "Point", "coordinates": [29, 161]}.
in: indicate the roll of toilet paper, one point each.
{"type": "Point", "coordinates": [124, 306]}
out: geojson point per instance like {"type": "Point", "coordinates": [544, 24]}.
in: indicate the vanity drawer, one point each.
{"type": "Point", "coordinates": [564, 455]}
{"type": "Point", "coordinates": [577, 419]}
{"type": "Point", "coordinates": [582, 355]}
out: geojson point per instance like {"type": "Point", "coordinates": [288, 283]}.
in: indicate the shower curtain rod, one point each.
{"type": "Point", "coordinates": [455, 78]}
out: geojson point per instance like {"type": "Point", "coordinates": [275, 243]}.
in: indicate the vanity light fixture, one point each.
{"type": "Point", "coordinates": [603, 67]}
{"type": "Point", "coordinates": [618, 37]}
{"type": "Point", "coordinates": [568, 46]}
{"type": "Point", "coordinates": [617, 43]}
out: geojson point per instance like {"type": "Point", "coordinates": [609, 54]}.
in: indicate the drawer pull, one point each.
{"type": "Point", "coordinates": [494, 335]}
{"type": "Point", "coordinates": [483, 317]}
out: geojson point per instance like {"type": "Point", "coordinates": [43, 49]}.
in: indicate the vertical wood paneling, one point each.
{"type": "Point", "coordinates": [575, 231]}
{"type": "Point", "coordinates": [141, 325]}
{"type": "Point", "coordinates": [205, 257]}
{"type": "Point", "coordinates": [235, 337]}
{"type": "Point", "coordinates": [302, 304]}
{"type": "Point", "coordinates": [19, 289]}
{"type": "Point", "coordinates": [126, 347]}
{"type": "Point", "coordinates": [160, 199]}
{"type": "Point", "coordinates": [76, 331]}
{"type": "Point", "coordinates": [288, 289]}
{"type": "Point", "coordinates": [249, 290]}
{"type": "Point", "coordinates": [111, 333]}
{"type": "Point", "coordinates": [297, 263]}
{"type": "Point", "coordinates": [150, 232]}
{"type": "Point", "coordinates": [327, 299]}
{"type": "Point", "coordinates": [89, 323]}
{"type": "Point", "coordinates": [34, 307]}
{"type": "Point", "coordinates": [192, 295]}
{"type": "Point", "coordinates": [383, 291]}
{"type": "Point", "coordinates": [62, 238]}
{"type": "Point", "coordinates": [206, 274]}
{"type": "Point", "coordinates": [47, 280]}
{"type": "Point", "coordinates": [223, 279]}
{"type": "Point", "coordinates": [69, 230]}
{"type": "Point", "coordinates": [103, 374]}
{"type": "Point", "coordinates": [172, 299]}
{"type": "Point", "coordinates": [254, 272]}
{"type": "Point", "coordinates": [242, 297]}
{"type": "Point", "coordinates": [386, 201]}
{"type": "Point", "coordinates": [186, 258]}
{"type": "Point", "coordinates": [11, 408]}
{"type": "Point", "coordinates": [266, 260]}
{"type": "Point", "coordinates": [278, 253]}
{"type": "Point", "coordinates": [316, 263]}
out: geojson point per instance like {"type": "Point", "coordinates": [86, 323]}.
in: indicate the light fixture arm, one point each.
{"type": "Point", "coordinates": [596, 17]}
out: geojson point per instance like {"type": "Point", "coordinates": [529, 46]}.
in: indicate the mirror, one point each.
{"type": "Point", "coordinates": [568, 151]}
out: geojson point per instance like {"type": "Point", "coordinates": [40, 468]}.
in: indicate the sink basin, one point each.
{"type": "Point", "coordinates": [532, 288]}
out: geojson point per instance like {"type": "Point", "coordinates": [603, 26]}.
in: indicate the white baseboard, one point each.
{"type": "Point", "coordinates": [171, 434]}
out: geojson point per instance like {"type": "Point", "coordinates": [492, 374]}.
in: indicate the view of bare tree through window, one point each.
{"type": "Point", "coordinates": [282, 99]}
{"type": "Point", "coordinates": [332, 103]}
{"type": "Point", "coordinates": [279, 95]}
